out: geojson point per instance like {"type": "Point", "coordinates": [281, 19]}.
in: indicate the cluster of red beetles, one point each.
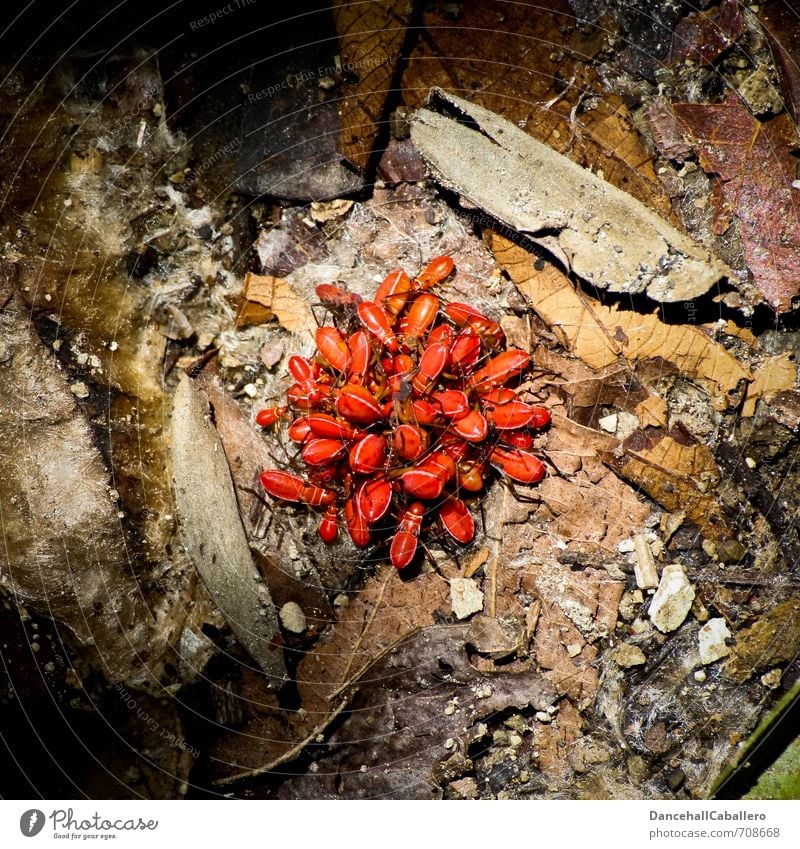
{"type": "Point", "coordinates": [402, 412]}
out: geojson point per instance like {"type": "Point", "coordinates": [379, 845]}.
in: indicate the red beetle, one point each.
{"type": "Point", "coordinates": [292, 488]}
{"type": "Point", "coordinates": [404, 542]}
{"type": "Point", "coordinates": [368, 455]}
{"type": "Point", "coordinates": [329, 526]}
{"type": "Point", "coordinates": [269, 416]}
{"type": "Point", "coordinates": [333, 347]}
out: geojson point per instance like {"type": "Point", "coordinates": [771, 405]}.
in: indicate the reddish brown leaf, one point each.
{"type": "Point", "coordinates": [754, 163]}
{"type": "Point", "coordinates": [782, 27]}
{"type": "Point", "coordinates": [705, 36]}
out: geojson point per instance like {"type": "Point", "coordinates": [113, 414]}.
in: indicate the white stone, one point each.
{"type": "Point", "coordinates": [609, 423]}
{"type": "Point", "coordinates": [292, 617]}
{"type": "Point", "coordinates": [627, 655]}
{"type": "Point", "coordinates": [672, 600]}
{"type": "Point", "coordinates": [712, 638]}
{"type": "Point", "coordinates": [79, 390]}
{"type": "Point", "coordinates": [465, 597]}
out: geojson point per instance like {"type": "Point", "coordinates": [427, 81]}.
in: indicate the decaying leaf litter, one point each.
{"type": "Point", "coordinates": [535, 694]}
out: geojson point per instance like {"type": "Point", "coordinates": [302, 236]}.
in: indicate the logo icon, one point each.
{"type": "Point", "coordinates": [31, 822]}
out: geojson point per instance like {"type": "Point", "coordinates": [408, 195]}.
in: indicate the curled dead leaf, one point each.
{"type": "Point", "coordinates": [265, 297]}
{"type": "Point", "coordinates": [604, 235]}
{"type": "Point", "coordinates": [213, 534]}
{"type": "Point", "coordinates": [599, 334]}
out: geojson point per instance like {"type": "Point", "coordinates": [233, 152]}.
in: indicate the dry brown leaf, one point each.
{"type": "Point", "coordinates": [371, 36]}
{"type": "Point", "coordinates": [772, 639]}
{"type": "Point", "coordinates": [556, 740]}
{"type": "Point", "coordinates": [678, 477]}
{"type": "Point", "coordinates": [616, 149]}
{"type": "Point", "coordinates": [703, 37]}
{"type": "Point", "coordinates": [383, 613]}
{"type": "Point", "coordinates": [652, 412]}
{"type": "Point", "coordinates": [773, 376]}
{"type": "Point", "coordinates": [281, 301]}
{"type": "Point", "coordinates": [598, 334]}
{"type": "Point", "coordinates": [756, 165]}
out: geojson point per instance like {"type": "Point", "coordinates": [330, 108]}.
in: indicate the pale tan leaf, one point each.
{"type": "Point", "coordinates": [597, 333]}
{"type": "Point", "coordinates": [652, 412]}
{"type": "Point", "coordinates": [775, 374]}
{"type": "Point", "coordinates": [280, 299]}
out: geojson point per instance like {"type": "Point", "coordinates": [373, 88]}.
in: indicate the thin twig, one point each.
{"type": "Point", "coordinates": [364, 630]}
{"type": "Point", "coordinates": [373, 660]}
{"type": "Point", "coordinates": [286, 756]}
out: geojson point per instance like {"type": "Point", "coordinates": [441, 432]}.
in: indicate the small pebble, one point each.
{"type": "Point", "coordinates": [626, 546]}
{"type": "Point", "coordinates": [465, 597]}
{"type": "Point", "coordinates": [672, 600]}
{"type": "Point", "coordinates": [771, 679]}
{"type": "Point", "coordinates": [711, 640]}
{"type": "Point", "coordinates": [500, 737]}
{"type": "Point", "coordinates": [79, 390]}
{"type": "Point", "coordinates": [626, 656]}
{"type": "Point", "coordinates": [749, 461]}
{"type": "Point", "coordinates": [675, 779]}
{"type": "Point", "coordinates": [609, 424]}
{"type": "Point", "coordinates": [700, 675]}
{"type": "Point", "coordinates": [250, 389]}
{"type": "Point", "coordinates": [574, 649]}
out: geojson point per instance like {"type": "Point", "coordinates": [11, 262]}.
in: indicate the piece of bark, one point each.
{"type": "Point", "coordinates": [213, 534]}
{"type": "Point", "coordinates": [605, 236]}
